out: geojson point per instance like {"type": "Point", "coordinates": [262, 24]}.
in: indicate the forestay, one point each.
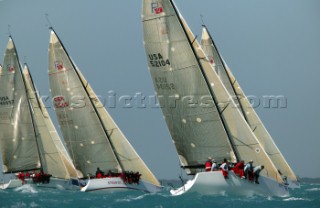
{"type": "Point", "coordinates": [188, 108]}
{"type": "Point", "coordinates": [17, 135]}
{"type": "Point", "coordinates": [249, 113]}
{"type": "Point", "coordinates": [53, 161]}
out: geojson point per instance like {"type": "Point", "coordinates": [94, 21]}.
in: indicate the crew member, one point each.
{"type": "Point", "coordinates": [256, 172]}
{"type": "Point", "coordinates": [239, 169]}
{"type": "Point", "coordinates": [208, 164]}
{"type": "Point", "coordinates": [248, 171]}
{"type": "Point", "coordinates": [225, 168]}
{"type": "Point", "coordinates": [214, 165]}
{"type": "Point", "coordinates": [99, 173]}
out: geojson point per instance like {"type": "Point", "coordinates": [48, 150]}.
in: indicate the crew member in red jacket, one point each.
{"type": "Point", "coordinates": [239, 169]}
{"type": "Point", "coordinates": [208, 164]}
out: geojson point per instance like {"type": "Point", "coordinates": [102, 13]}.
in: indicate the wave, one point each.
{"type": "Point", "coordinates": [313, 189]}
{"type": "Point", "coordinates": [27, 188]}
{"type": "Point", "coordinates": [296, 199]}
{"type": "Point", "coordinates": [131, 198]}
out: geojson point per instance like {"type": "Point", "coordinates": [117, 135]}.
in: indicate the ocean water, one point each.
{"type": "Point", "coordinates": [307, 196]}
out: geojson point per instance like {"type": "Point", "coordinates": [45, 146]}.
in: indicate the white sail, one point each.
{"type": "Point", "coordinates": [82, 131]}
{"type": "Point", "coordinates": [129, 158]}
{"type": "Point", "coordinates": [53, 159]}
{"type": "Point", "coordinates": [249, 113]}
{"type": "Point", "coordinates": [17, 135]}
{"type": "Point", "coordinates": [172, 38]}
{"type": "Point", "coordinates": [190, 114]}
{"type": "Point", "coordinates": [94, 133]}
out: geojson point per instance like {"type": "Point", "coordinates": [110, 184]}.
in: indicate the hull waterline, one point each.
{"type": "Point", "coordinates": [117, 184]}
{"type": "Point", "coordinates": [213, 183]}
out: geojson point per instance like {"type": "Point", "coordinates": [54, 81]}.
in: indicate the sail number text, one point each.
{"type": "Point", "coordinates": [157, 60]}
{"type": "Point", "coordinates": [59, 102]}
{"type": "Point", "coordinates": [163, 84]}
{"type": "Point", "coordinates": [5, 100]}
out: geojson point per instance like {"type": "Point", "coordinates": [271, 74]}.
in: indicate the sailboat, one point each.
{"type": "Point", "coordinates": [200, 113]}
{"type": "Point", "coordinates": [27, 143]}
{"type": "Point", "coordinates": [17, 135]}
{"type": "Point", "coordinates": [247, 111]}
{"type": "Point", "coordinates": [98, 148]}
{"type": "Point", "coordinates": [55, 159]}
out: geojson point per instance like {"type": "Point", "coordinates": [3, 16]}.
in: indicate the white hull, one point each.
{"type": "Point", "coordinates": [58, 184]}
{"type": "Point", "coordinates": [213, 183]}
{"type": "Point", "coordinates": [117, 184]}
{"type": "Point", "coordinates": [54, 183]}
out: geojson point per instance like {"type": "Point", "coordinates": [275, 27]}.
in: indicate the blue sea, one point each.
{"type": "Point", "coordinates": [307, 196]}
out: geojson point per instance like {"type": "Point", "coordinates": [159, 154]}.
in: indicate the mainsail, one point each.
{"type": "Point", "coordinates": [191, 116]}
{"type": "Point", "coordinates": [92, 137]}
{"type": "Point", "coordinates": [248, 112]}
{"type": "Point", "coordinates": [179, 66]}
{"type": "Point", "coordinates": [17, 133]}
{"type": "Point", "coordinates": [53, 157]}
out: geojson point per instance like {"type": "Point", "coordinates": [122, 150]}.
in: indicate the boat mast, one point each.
{"type": "Point", "coordinates": [96, 111]}
{"type": "Point", "coordinates": [207, 81]}
{"type": "Point", "coordinates": [225, 69]}
{"type": "Point", "coordinates": [30, 109]}
{"type": "Point", "coordinates": [33, 86]}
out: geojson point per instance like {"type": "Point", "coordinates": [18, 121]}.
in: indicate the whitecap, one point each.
{"type": "Point", "coordinates": [296, 199]}
{"type": "Point", "coordinates": [313, 189]}
{"type": "Point", "coordinates": [129, 199]}
{"type": "Point", "coordinates": [27, 188]}
{"type": "Point", "coordinates": [33, 204]}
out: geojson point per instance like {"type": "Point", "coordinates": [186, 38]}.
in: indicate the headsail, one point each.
{"type": "Point", "coordinates": [128, 156]}
{"type": "Point", "coordinates": [190, 55]}
{"type": "Point", "coordinates": [249, 113]}
{"type": "Point", "coordinates": [92, 137]}
{"type": "Point", "coordinates": [53, 160]}
{"type": "Point", "coordinates": [17, 135]}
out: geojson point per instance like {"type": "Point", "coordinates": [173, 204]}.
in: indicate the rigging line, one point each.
{"type": "Point", "coordinates": [224, 108]}
{"type": "Point", "coordinates": [201, 16]}
{"type": "Point", "coordinates": [9, 30]}
{"type": "Point", "coordinates": [228, 75]}
{"type": "Point", "coordinates": [48, 20]}
{"type": "Point", "coordinates": [195, 38]}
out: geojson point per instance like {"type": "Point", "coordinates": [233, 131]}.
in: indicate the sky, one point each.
{"type": "Point", "coordinates": [272, 48]}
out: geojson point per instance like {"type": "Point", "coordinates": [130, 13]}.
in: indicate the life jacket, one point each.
{"type": "Point", "coordinates": [208, 165]}
{"type": "Point", "coordinates": [238, 168]}
{"type": "Point", "coordinates": [99, 175]}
